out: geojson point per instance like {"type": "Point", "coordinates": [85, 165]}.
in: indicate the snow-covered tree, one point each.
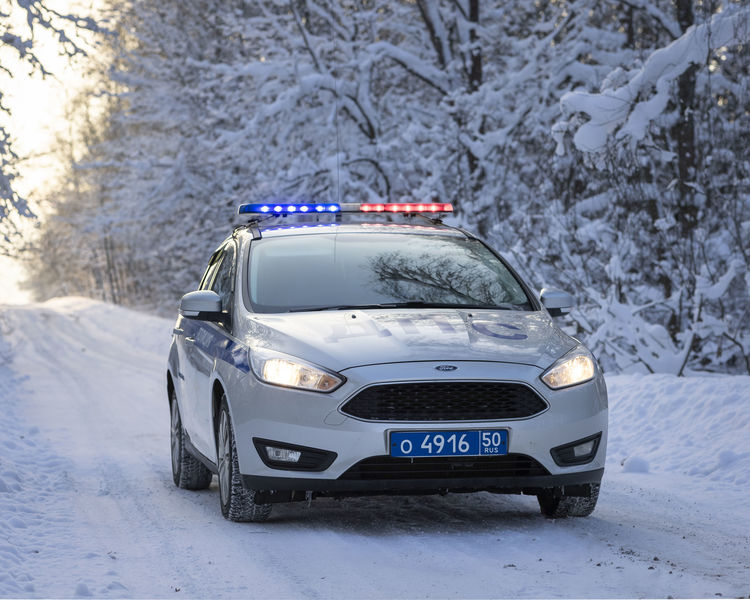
{"type": "Point", "coordinates": [213, 103]}
{"type": "Point", "coordinates": [670, 134]}
{"type": "Point", "coordinates": [20, 24]}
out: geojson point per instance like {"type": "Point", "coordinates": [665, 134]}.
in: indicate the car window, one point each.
{"type": "Point", "coordinates": [210, 273]}
{"type": "Point", "coordinates": [223, 281]}
{"type": "Point", "coordinates": [351, 269]}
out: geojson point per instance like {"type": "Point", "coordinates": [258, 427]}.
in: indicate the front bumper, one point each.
{"type": "Point", "coordinates": [285, 489]}
{"type": "Point", "coordinates": [314, 420]}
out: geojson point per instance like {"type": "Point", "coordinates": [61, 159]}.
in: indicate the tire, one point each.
{"type": "Point", "coordinates": [188, 472]}
{"type": "Point", "coordinates": [237, 503]}
{"type": "Point", "coordinates": [556, 505]}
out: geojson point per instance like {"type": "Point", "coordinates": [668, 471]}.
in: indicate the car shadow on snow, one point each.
{"type": "Point", "coordinates": [452, 513]}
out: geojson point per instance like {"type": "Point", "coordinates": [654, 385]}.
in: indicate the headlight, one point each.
{"type": "Point", "coordinates": [281, 369]}
{"type": "Point", "coordinates": [577, 366]}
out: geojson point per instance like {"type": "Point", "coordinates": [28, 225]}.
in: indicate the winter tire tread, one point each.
{"type": "Point", "coordinates": [562, 506]}
{"type": "Point", "coordinates": [240, 505]}
{"type": "Point", "coordinates": [188, 473]}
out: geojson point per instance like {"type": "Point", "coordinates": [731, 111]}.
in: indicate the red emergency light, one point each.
{"type": "Point", "coordinates": [408, 207]}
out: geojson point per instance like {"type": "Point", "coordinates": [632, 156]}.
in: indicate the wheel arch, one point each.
{"type": "Point", "coordinates": [217, 392]}
{"type": "Point", "coordinates": [170, 387]}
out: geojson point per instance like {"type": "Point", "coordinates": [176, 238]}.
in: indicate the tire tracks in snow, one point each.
{"type": "Point", "coordinates": [110, 422]}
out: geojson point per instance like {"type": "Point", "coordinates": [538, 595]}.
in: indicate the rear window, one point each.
{"type": "Point", "coordinates": [350, 270]}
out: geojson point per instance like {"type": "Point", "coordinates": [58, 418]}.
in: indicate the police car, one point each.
{"type": "Point", "coordinates": [346, 349]}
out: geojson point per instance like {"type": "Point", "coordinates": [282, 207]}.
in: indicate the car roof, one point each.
{"type": "Point", "coordinates": [274, 228]}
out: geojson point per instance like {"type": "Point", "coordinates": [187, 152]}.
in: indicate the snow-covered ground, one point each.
{"type": "Point", "coordinates": [88, 508]}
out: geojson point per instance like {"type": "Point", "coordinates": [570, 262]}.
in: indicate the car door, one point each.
{"type": "Point", "coordinates": [209, 341]}
{"type": "Point", "coordinates": [192, 365]}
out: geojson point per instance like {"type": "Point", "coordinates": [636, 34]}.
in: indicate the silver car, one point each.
{"type": "Point", "coordinates": [334, 354]}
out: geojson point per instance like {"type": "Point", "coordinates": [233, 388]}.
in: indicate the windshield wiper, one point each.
{"type": "Point", "coordinates": [420, 304]}
{"type": "Point", "coordinates": [412, 304]}
{"type": "Point", "coordinates": [342, 307]}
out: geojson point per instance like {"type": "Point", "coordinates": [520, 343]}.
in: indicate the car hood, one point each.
{"type": "Point", "coordinates": [344, 339]}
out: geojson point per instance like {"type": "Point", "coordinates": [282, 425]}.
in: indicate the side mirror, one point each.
{"type": "Point", "coordinates": [204, 305]}
{"type": "Point", "coordinates": [557, 302]}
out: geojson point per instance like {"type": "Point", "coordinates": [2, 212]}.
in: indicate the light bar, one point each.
{"type": "Point", "coordinates": [286, 208]}
{"type": "Point", "coordinates": [290, 208]}
{"type": "Point", "coordinates": [408, 207]}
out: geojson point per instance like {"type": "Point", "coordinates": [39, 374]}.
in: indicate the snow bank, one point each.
{"type": "Point", "coordinates": [31, 475]}
{"type": "Point", "coordinates": [696, 426]}
{"type": "Point", "coordinates": [110, 325]}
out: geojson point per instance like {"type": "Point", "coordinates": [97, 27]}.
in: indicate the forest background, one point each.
{"type": "Point", "coordinates": [600, 145]}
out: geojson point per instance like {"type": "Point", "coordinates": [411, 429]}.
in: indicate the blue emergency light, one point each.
{"type": "Point", "coordinates": [287, 208]}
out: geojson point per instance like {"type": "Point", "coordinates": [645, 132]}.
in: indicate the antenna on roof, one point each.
{"type": "Point", "coordinates": [336, 112]}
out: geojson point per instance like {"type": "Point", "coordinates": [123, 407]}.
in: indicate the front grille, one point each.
{"type": "Point", "coordinates": [445, 401]}
{"type": "Point", "coordinates": [390, 468]}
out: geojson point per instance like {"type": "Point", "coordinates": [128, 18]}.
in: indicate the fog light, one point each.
{"type": "Point", "coordinates": [584, 449]}
{"type": "Point", "coordinates": [290, 457]}
{"type": "Point", "coordinates": [283, 454]}
{"type": "Point", "coordinates": [578, 452]}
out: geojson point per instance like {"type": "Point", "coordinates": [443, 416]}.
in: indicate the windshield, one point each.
{"type": "Point", "coordinates": [365, 270]}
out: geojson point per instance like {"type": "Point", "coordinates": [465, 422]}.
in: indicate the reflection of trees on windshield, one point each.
{"type": "Point", "coordinates": [460, 278]}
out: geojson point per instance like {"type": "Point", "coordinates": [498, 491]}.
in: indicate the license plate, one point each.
{"type": "Point", "coordinates": [489, 442]}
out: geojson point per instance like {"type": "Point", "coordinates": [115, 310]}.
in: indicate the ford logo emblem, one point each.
{"type": "Point", "coordinates": [446, 367]}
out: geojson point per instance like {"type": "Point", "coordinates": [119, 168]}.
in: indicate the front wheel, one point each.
{"type": "Point", "coordinates": [556, 505]}
{"type": "Point", "coordinates": [188, 472]}
{"type": "Point", "coordinates": [237, 503]}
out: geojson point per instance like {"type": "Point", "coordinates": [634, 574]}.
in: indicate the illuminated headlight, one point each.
{"type": "Point", "coordinates": [287, 371]}
{"type": "Point", "coordinates": [575, 367]}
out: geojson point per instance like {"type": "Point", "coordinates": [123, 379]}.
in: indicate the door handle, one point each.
{"type": "Point", "coordinates": [178, 331]}
{"type": "Point", "coordinates": [190, 339]}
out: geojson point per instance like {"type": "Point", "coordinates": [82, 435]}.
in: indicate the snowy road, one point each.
{"type": "Point", "coordinates": [88, 508]}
